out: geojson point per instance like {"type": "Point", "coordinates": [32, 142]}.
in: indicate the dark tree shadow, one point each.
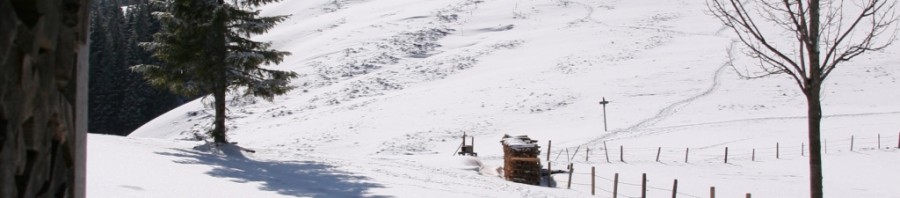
{"type": "Point", "coordinates": [292, 178]}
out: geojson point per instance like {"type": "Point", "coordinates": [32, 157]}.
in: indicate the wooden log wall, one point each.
{"type": "Point", "coordinates": [520, 160]}
{"type": "Point", "coordinates": [43, 87]}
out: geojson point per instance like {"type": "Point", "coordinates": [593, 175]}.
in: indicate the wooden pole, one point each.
{"type": "Point", "coordinates": [898, 140]}
{"type": "Point", "coordinates": [575, 153]}
{"type": "Point", "coordinates": [851, 143]}
{"type": "Point", "coordinates": [644, 185]}
{"type": "Point", "coordinates": [473, 144]}
{"type": "Point", "coordinates": [753, 158]}
{"type": "Point", "coordinates": [549, 143]}
{"type": "Point", "coordinates": [549, 168]}
{"type": "Point", "coordinates": [879, 141]}
{"type": "Point", "coordinates": [726, 154]}
{"type": "Point", "coordinates": [686, 151]}
{"type": "Point", "coordinates": [712, 192]}
{"type": "Point", "coordinates": [587, 154]}
{"type": "Point", "coordinates": [777, 151]}
{"type": "Point", "coordinates": [675, 188]}
{"type": "Point", "coordinates": [461, 145]}
{"type": "Point", "coordinates": [593, 182]}
{"type": "Point", "coordinates": [621, 153]}
{"type": "Point", "coordinates": [607, 151]}
{"type": "Point", "coordinates": [604, 102]}
{"type": "Point", "coordinates": [616, 186]}
{"type": "Point", "coordinates": [571, 169]}
{"type": "Point", "coordinates": [604, 118]}
{"type": "Point", "coordinates": [658, 150]}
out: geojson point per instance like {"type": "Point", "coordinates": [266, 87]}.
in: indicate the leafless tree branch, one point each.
{"type": "Point", "coordinates": [841, 39]}
{"type": "Point", "coordinates": [814, 33]}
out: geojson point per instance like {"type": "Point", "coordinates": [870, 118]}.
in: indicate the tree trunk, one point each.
{"type": "Point", "coordinates": [815, 151]}
{"type": "Point", "coordinates": [219, 130]}
{"type": "Point", "coordinates": [220, 85]}
{"type": "Point", "coordinates": [813, 91]}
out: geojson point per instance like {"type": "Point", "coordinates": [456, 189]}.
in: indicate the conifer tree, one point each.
{"type": "Point", "coordinates": [107, 67]}
{"type": "Point", "coordinates": [204, 47]}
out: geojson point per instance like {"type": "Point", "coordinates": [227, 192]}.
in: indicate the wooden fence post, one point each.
{"type": "Point", "coordinates": [879, 141]}
{"type": "Point", "coordinates": [644, 185]}
{"type": "Point", "coordinates": [726, 155]}
{"type": "Point", "coordinates": [621, 153]}
{"type": "Point", "coordinates": [571, 169]}
{"type": "Point", "coordinates": [549, 143]}
{"type": "Point", "coordinates": [658, 150]}
{"type": "Point", "coordinates": [575, 153]}
{"type": "Point", "coordinates": [712, 192]}
{"type": "Point", "coordinates": [753, 158]}
{"type": "Point", "coordinates": [593, 183]}
{"type": "Point", "coordinates": [777, 150]}
{"type": "Point", "coordinates": [851, 143]}
{"type": "Point", "coordinates": [686, 151]}
{"type": "Point", "coordinates": [616, 186]}
{"type": "Point", "coordinates": [898, 140]}
{"type": "Point", "coordinates": [675, 188]}
{"type": "Point", "coordinates": [549, 168]}
{"type": "Point", "coordinates": [605, 150]}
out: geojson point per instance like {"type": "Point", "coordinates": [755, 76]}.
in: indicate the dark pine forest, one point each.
{"type": "Point", "coordinates": [120, 101]}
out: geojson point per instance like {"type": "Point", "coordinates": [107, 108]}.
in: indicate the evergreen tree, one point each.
{"type": "Point", "coordinates": [204, 48]}
{"type": "Point", "coordinates": [143, 102]}
{"type": "Point", "coordinates": [119, 100]}
{"type": "Point", "coordinates": [107, 65]}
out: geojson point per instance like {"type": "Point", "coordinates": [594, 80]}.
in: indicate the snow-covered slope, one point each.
{"type": "Point", "coordinates": [388, 87]}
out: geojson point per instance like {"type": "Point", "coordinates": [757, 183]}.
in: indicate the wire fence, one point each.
{"type": "Point", "coordinates": [721, 154]}
{"type": "Point", "coordinates": [776, 150]}
{"type": "Point", "coordinates": [613, 186]}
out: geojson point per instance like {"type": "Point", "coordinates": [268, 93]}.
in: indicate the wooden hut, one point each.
{"type": "Point", "coordinates": [520, 160]}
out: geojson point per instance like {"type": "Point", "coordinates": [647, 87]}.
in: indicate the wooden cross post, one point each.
{"type": "Point", "coordinates": [604, 102]}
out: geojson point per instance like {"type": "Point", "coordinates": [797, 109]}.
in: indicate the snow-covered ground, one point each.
{"type": "Point", "coordinates": [389, 87]}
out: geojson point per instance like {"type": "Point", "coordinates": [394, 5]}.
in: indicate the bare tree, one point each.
{"type": "Point", "coordinates": [820, 36]}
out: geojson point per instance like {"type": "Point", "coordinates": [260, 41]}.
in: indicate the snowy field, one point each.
{"type": "Point", "coordinates": [387, 89]}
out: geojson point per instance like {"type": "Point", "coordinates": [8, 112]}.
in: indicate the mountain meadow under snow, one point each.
{"type": "Point", "coordinates": [388, 88]}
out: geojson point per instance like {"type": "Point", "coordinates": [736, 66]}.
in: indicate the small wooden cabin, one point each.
{"type": "Point", "coordinates": [520, 159]}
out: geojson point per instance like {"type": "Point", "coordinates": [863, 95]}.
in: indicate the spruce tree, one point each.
{"type": "Point", "coordinates": [204, 47]}
{"type": "Point", "coordinates": [107, 67]}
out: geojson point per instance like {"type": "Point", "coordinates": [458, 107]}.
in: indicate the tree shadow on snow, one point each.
{"type": "Point", "coordinates": [292, 178]}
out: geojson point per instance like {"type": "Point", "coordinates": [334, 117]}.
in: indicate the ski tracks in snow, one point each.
{"type": "Point", "coordinates": [589, 17]}
{"type": "Point", "coordinates": [672, 108]}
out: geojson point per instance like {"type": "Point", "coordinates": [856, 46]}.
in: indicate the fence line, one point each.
{"type": "Point", "coordinates": [628, 154]}
{"type": "Point", "coordinates": [708, 154]}
{"type": "Point", "coordinates": [612, 182]}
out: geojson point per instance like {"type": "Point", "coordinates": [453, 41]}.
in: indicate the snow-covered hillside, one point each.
{"type": "Point", "coordinates": [387, 89]}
